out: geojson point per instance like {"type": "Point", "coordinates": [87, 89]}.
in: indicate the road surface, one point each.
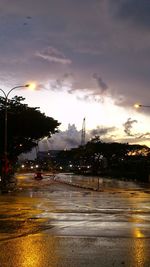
{"type": "Point", "coordinates": [49, 223]}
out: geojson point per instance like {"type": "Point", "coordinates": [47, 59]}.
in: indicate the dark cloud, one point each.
{"type": "Point", "coordinates": [136, 11]}
{"type": "Point", "coordinates": [90, 90]}
{"type": "Point", "coordinates": [144, 136]}
{"type": "Point", "coordinates": [62, 83]}
{"type": "Point", "coordinates": [128, 125]}
{"type": "Point", "coordinates": [102, 85]}
{"type": "Point", "coordinates": [81, 38]}
{"type": "Point", "coordinates": [101, 131]}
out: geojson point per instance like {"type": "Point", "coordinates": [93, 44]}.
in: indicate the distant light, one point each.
{"type": "Point", "coordinates": [36, 166]}
{"type": "Point", "coordinates": [60, 167]}
{"type": "Point", "coordinates": [70, 165]}
{"type": "Point", "coordinates": [22, 166]}
{"type": "Point", "coordinates": [31, 167]}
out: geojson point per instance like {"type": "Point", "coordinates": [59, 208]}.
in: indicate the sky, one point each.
{"type": "Point", "coordinates": [89, 58]}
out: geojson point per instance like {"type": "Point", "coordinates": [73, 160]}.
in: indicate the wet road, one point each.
{"type": "Point", "coordinates": [49, 223]}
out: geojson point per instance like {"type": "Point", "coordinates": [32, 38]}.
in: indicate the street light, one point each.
{"type": "Point", "coordinates": [139, 106]}
{"type": "Point", "coordinates": [4, 172]}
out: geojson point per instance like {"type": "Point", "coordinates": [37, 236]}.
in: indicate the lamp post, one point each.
{"type": "Point", "coordinates": [141, 106]}
{"type": "Point", "coordinates": [4, 167]}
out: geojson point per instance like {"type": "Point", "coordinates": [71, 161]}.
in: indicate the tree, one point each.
{"type": "Point", "coordinates": [120, 158]}
{"type": "Point", "coordinates": [26, 125]}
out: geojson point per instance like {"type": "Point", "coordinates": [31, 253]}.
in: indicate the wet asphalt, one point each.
{"type": "Point", "coordinates": [51, 223]}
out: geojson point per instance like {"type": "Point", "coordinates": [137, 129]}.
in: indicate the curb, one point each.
{"type": "Point", "coordinates": [76, 185]}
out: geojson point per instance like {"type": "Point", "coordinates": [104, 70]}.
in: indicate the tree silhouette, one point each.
{"type": "Point", "coordinates": [25, 126]}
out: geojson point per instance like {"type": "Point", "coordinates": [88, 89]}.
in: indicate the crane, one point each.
{"type": "Point", "coordinates": [83, 133]}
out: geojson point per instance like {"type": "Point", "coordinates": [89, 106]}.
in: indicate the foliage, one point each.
{"type": "Point", "coordinates": [25, 126]}
{"type": "Point", "coordinates": [97, 157]}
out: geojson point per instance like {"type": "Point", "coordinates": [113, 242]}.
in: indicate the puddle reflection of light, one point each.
{"type": "Point", "coordinates": [139, 248]}
{"type": "Point", "coordinates": [139, 252]}
{"type": "Point", "coordinates": [33, 253]}
{"type": "Point", "coordinates": [137, 233]}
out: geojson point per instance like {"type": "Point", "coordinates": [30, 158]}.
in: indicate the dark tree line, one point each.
{"type": "Point", "coordinates": [108, 158]}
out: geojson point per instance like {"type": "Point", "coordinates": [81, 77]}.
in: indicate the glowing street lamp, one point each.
{"type": "Point", "coordinates": [136, 105]}
{"type": "Point", "coordinates": [139, 106]}
{"type": "Point", "coordinates": [4, 172]}
{"type": "Point", "coordinates": [32, 86]}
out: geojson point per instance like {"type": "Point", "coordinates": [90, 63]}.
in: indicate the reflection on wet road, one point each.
{"type": "Point", "coordinates": [118, 211]}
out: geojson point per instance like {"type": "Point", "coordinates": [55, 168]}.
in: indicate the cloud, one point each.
{"type": "Point", "coordinates": [135, 11]}
{"type": "Point", "coordinates": [145, 135]}
{"type": "Point", "coordinates": [128, 125]}
{"type": "Point", "coordinates": [65, 81]}
{"type": "Point", "coordinates": [102, 85]}
{"type": "Point", "coordinates": [86, 89]}
{"type": "Point", "coordinates": [71, 137]}
{"type": "Point", "coordinates": [65, 139]}
{"type": "Point", "coordinates": [90, 97]}
{"type": "Point", "coordinates": [106, 39]}
{"type": "Point", "coordinates": [71, 141]}
{"type": "Point", "coordinates": [53, 55]}
{"type": "Point", "coordinates": [101, 131]}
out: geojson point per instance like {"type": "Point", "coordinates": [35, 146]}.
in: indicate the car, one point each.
{"type": "Point", "coordinates": [38, 175]}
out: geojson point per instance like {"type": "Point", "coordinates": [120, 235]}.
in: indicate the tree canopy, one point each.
{"type": "Point", "coordinates": [25, 126]}
{"type": "Point", "coordinates": [96, 156]}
